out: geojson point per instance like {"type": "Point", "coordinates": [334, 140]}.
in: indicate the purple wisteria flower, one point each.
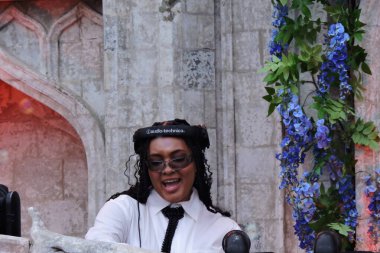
{"type": "Point", "coordinates": [335, 64]}
{"type": "Point", "coordinates": [322, 135]}
{"type": "Point", "coordinates": [279, 14]}
{"type": "Point", "coordinates": [346, 190]}
{"type": "Point", "coordinates": [334, 167]}
{"type": "Point", "coordinates": [298, 136]}
{"type": "Point", "coordinates": [304, 211]}
{"type": "Point", "coordinates": [372, 191]}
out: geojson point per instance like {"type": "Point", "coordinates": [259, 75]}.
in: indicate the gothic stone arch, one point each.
{"type": "Point", "coordinates": [20, 76]}
{"type": "Point", "coordinates": [33, 70]}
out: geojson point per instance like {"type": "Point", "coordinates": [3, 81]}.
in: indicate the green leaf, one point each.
{"type": "Point", "coordinates": [283, 2]}
{"type": "Point", "coordinates": [366, 68]}
{"type": "Point", "coordinates": [340, 228]}
{"type": "Point", "coordinates": [305, 11]}
{"type": "Point", "coordinates": [275, 59]}
{"type": "Point", "coordinates": [368, 128]}
{"type": "Point", "coordinates": [268, 98]}
{"type": "Point", "coordinates": [364, 140]}
{"type": "Point", "coordinates": [343, 115]}
{"type": "Point", "coordinates": [374, 145]}
{"type": "Point", "coordinates": [271, 109]}
{"type": "Point", "coordinates": [338, 104]}
{"type": "Point", "coordinates": [322, 189]}
{"type": "Point", "coordinates": [270, 78]}
{"type": "Point", "coordinates": [373, 135]}
{"type": "Point", "coordinates": [358, 36]}
{"type": "Point", "coordinates": [355, 137]}
{"type": "Point", "coordinates": [286, 74]}
{"type": "Point", "coordinates": [294, 88]}
{"type": "Point", "coordinates": [270, 90]}
{"type": "Point", "coordinates": [359, 125]}
{"type": "Point", "coordinates": [304, 57]}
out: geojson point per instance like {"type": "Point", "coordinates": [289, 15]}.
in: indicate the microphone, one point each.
{"type": "Point", "coordinates": [236, 241]}
{"type": "Point", "coordinates": [327, 242]}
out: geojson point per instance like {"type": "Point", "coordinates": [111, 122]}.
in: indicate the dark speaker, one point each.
{"type": "Point", "coordinates": [10, 212]}
{"type": "Point", "coordinates": [327, 242]}
{"type": "Point", "coordinates": [236, 241]}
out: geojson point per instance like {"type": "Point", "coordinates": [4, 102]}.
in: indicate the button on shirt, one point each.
{"type": "Point", "coordinates": [199, 231]}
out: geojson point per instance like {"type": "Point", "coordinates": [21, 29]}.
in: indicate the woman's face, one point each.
{"type": "Point", "coordinates": [173, 186]}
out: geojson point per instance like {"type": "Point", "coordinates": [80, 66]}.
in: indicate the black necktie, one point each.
{"type": "Point", "coordinates": [174, 214]}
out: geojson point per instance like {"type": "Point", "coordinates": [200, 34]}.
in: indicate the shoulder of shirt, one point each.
{"type": "Point", "coordinates": [122, 199]}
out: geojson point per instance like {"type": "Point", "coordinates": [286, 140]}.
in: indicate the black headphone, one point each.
{"type": "Point", "coordinates": [197, 133]}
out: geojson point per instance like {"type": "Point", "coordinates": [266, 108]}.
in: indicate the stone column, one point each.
{"type": "Point", "coordinates": [248, 171]}
{"type": "Point", "coordinates": [368, 109]}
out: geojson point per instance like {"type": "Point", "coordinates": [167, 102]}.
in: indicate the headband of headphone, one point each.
{"type": "Point", "coordinates": [197, 133]}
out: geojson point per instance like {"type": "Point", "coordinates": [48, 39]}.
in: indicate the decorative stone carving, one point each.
{"type": "Point", "coordinates": [199, 69]}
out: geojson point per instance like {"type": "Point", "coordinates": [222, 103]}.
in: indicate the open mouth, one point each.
{"type": "Point", "coordinates": [171, 185]}
{"type": "Point", "coordinates": [171, 182]}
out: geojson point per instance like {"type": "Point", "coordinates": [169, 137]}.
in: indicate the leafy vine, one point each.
{"type": "Point", "coordinates": [324, 56]}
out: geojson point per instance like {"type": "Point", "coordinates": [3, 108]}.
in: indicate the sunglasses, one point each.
{"type": "Point", "coordinates": [177, 163]}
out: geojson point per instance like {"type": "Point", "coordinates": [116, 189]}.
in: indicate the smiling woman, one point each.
{"type": "Point", "coordinates": [170, 204]}
{"type": "Point", "coordinates": [171, 169]}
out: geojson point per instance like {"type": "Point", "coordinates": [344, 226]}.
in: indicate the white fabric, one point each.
{"type": "Point", "coordinates": [199, 231]}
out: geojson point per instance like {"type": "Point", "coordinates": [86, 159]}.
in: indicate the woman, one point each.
{"type": "Point", "coordinates": [172, 175]}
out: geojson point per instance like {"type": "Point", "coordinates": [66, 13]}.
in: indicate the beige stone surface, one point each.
{"type": "Point", "coordinates": [12, 244]}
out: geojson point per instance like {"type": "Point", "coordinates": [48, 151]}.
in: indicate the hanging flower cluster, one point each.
{"type": "Point", "coordinates": [336, 55]}
{"type": "Point", "coordinates": [304, 209]}
{"type": "Point", "coordinates": [279, 14]}
{"type": "Point", "coordinates": [372, 191]}
{"type": "Point", "coordinates": [347, 194]}
{"type": "Point", "coordinates": [297, 137]}
{"type": "Point", "coordinates": [322, 135]}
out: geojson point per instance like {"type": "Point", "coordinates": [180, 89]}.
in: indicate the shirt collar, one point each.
{"type": "Point", "coordinates": [192, 207]}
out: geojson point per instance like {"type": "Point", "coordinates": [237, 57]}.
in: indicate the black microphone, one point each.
{"type": "Point", "coordinates": [327, 242]}
{"type": "Point", "coordinates": [236, 241]}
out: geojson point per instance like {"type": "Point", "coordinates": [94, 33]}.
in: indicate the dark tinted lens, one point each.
{"type": "Point", "coordinates": [156, 165]}
{"type": "Point", "coordinates": [180, 162]}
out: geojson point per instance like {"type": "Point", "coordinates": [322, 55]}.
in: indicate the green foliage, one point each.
{"type": "Point", "coordinates": [303, 6]}
{"type": "Point", "coordinates": [333, 110]}
{"type": "Point", "coordinates": [300, 65]}
{"type": "Point", "coordinates": [366, 133]}
{"type": "Point", "coordinates": [340, 228]}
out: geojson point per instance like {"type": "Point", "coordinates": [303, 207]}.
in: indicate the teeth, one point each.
{"type": "Point", "coordinates": [171, 181]}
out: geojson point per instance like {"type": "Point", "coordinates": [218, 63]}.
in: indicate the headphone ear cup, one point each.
{"type": "Point", "coordinates": [205, 141]}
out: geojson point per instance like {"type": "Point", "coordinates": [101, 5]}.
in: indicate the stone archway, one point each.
{"type": "Point", "coordinates": [31, 66]}
{"type": "Point", "coordinates": [43, 159]}
{"type": "Point", "coordinates": [21, 77]}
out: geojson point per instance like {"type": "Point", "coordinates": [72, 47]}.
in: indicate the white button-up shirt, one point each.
{"type": "Point", "coordinates": [199, 231]}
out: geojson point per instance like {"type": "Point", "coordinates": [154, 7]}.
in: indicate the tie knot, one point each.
{"type": "Point", "coordinates": [173, 212]}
